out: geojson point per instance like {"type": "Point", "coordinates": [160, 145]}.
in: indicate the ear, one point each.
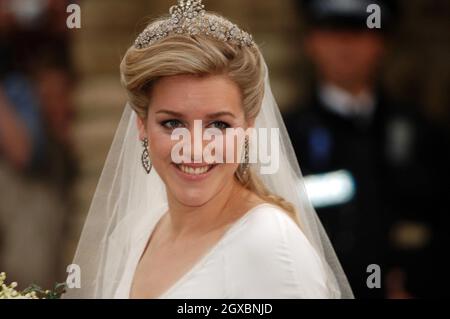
{"type": "Point", "coordinates": [309, 44]}
{"type": "Point", "coordinates": [141, 124]}
{"type": "Point", "coordinates": [251, 122]}
{"type": "Point", "coordinates": [382, 47]}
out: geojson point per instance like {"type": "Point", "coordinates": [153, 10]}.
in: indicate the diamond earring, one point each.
{"type": "Point", "coordinates": [242, 172]}
{"type": "Point", "coordinates": [246, 157]}
{"type": "Point", "coordinates": [145, 158]}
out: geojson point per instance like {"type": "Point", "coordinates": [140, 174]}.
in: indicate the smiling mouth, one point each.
{"type": "Point", "coordinates": [195, 171]}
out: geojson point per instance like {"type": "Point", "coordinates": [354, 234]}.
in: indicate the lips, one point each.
{"type": "Point", "coordinates": [194, 171]}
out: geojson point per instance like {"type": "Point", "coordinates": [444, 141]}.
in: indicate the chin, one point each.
{"type": "Point", "coordinates": [192, 201]}
{"type": "Point", "coordinates": [195, 188]}
{"type": "Point", "coordinates": [191, 196]}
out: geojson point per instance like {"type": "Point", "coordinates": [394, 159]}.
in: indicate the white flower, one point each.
{"type": "Point", "coordinates": [9, 291]}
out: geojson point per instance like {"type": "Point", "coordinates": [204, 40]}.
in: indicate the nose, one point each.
{"type": "Point", "coordinates": [194, 146]}
{"type": "Point", "coordinates": [197, 148]}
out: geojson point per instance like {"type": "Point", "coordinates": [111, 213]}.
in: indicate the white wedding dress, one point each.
{"type": "Point", "coordinates": [262, 255]}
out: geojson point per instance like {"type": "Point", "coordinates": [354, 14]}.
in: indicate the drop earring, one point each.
{"type": "Point", "coordinates": [145, 158]}
{"type": "Point", "coordinates": [246, 158]}
{"type": "Point", "coordinates": [242, 172]}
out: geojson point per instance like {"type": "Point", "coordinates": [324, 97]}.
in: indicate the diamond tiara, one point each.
{"type": "Point", "coordinates": [190, 18]}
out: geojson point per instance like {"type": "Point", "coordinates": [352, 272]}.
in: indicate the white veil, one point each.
{"type": "Point", "coordinates": [126, 199]}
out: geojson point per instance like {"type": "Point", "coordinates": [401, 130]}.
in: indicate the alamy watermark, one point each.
{"type": "Point", "coordinates": [74, 276]}
{"type": "Point", "coordinates": [73, 20]}
{"type": "Point", "coordinates": [374, 19]}
{"type": "Point", "coordinates": [228, 146]}
{"type": "Point", "coordinates": [374, 279]}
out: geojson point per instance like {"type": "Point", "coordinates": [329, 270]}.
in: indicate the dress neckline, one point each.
{"type": "Point", "coordinates": [202, 260]}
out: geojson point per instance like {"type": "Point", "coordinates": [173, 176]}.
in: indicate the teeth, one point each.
{"type": "Point", "coordinates": [194, 171]}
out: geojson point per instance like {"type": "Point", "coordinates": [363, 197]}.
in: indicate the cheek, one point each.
{"type": "Point", "coordinates": [160, 144]}
{"type": "Point", "coordinates": [230, 168]}
{"type": "Point", "coordinates": [369, 55]}
{"type": "Point", "coordinates": [231, 152]}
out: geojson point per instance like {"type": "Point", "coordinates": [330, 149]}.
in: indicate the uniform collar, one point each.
{"type": "Point", "coordinates": [345, 104]}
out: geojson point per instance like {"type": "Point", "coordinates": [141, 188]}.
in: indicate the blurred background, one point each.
{"type": "Point", "coordinates": [368, 112]}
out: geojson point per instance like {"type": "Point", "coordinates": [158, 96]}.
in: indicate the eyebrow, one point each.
{"type": "Point", "coordinates": [211, 115]}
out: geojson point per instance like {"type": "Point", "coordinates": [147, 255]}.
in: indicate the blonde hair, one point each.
{"type": "Point", "coordinates": [201, 55]}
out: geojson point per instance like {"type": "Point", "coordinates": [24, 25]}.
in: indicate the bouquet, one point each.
{"type": "Point", "coordinates": [32, 292]}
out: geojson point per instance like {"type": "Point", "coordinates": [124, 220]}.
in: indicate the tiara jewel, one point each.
{"type": "Point", "coordinates": [190, 18]}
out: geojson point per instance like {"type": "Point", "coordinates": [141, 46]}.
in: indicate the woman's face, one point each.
{"type": "Point", "coordinates": [177, 101]}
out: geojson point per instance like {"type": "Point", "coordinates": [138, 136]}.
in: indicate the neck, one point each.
{"type": "Point", "coordinates": [185, 221]}
{"type": "Point", "coordinates": [353, 88]}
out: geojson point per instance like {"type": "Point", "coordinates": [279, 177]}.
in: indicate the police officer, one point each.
{"type": "Point", "coordinates": [375, 169]}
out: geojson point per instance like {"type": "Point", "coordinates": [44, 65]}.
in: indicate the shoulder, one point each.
{"type": "Point", "coordinates": [268, 223]}
{"type": "Point", "coordinates": [268, 228]}
{"type": "Point", "coordinates": [274, 259]}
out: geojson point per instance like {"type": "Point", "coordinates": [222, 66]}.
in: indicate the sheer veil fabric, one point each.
{"type": "Point", "coordinates": [126, 199]}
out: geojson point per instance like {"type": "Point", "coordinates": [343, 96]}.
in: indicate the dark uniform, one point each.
{"type": "Point", "coordinates": [392, 160]}
{"type": "Point", "coordinates": [396, 212]}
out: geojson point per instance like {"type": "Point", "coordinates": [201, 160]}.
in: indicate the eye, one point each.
{"type": "Point", "coordinates": [171, 124]}
{"type": "Point", "coordinates": [219, 125]}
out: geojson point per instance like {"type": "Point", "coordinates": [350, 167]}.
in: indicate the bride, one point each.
{"type": "Point", "coordinates": [158, 228]}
